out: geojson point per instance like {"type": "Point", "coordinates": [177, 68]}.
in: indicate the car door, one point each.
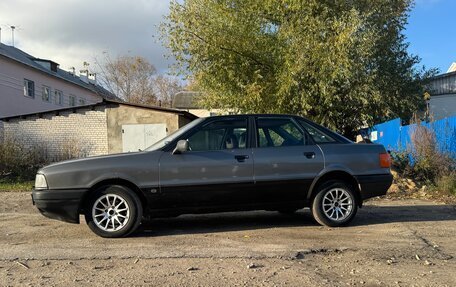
{"type": "Point", "coordinates": [218, 170]}
{"type": "Point", "coordinates": [285, 160]}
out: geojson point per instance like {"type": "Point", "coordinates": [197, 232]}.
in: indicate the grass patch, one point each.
{"type": "Point", "coordinates": [446, 184]}
{"type": "Point", "coordinates": [16, 186]}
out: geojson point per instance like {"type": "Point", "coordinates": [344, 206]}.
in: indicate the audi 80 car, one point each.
{"type": "Point", "coordinates": [217, 164]}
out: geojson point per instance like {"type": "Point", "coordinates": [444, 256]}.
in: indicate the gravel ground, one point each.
{"type": "Point", "coordinates": [390, 243]}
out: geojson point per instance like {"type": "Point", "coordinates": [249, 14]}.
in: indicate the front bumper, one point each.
{"type": "Point", "coordinates": [374, 185]}
{"type": "Point", "coordinates": [59, 204]}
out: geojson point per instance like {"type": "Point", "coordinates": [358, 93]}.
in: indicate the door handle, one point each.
{"type": "Point", "coordinates": [310, 155]}
{"type": "Point", "coordinates": [241, 158]}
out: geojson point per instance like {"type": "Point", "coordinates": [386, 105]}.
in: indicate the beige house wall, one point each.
{"type": "Point", "coordinates": [124, 115]}
{"type": "Point", "coordinates": [83, 132]}
{"type": "Point", "coordinates": [12, 99]}
{"type": "Point", "coordinates": [202, 113]}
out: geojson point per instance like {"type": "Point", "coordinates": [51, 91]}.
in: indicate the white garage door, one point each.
{"type": "Point", "coordinates": [139, 137]}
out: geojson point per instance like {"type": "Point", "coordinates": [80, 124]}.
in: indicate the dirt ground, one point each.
{"type": "Point", "coordinates": [390, 243]}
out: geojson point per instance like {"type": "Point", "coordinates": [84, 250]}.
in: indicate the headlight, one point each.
{"type": "Point", "coordinates": [40, 182]}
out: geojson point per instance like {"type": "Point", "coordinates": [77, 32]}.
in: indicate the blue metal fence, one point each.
{"type": "Point", "coordinates": [397, 138]}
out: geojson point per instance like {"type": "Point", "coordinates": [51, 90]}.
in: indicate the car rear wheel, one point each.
{"type": "Point", "coordinates": [334, 204]}
{"type": "Point", "coordinates": [113, 211]}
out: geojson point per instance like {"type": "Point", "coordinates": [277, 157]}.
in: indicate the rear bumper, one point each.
{"type": "Point", "coordinates": [59, 204]}
{"type": "Point", "coordinates": [374, 185]}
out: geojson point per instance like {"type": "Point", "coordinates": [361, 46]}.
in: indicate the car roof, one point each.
{"type": "Point", "coordinates": [253, 115]}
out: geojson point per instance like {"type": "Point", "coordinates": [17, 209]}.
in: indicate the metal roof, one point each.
{"type": "Point", "coordinates": [444, 84]}
{"type": "Point", "coordinates": [20, 56]}
{"type": "Point", "coordinates": [103, 103]}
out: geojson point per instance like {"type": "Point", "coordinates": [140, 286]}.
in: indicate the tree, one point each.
{"type": "Point", "coordinates": [165, 88]}
{"type": "Point", "coordinates": [134, 79]}
{"type": "Point", "coordinates": [131, 78]}
{"type": "Point", "coordinates": [343, 64]}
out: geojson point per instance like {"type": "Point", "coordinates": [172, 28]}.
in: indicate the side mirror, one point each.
{"type": "Point", "coordinates": [181, 147]}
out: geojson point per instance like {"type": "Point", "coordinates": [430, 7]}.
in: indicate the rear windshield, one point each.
{"type": "Point", "coordinates": [321, 135]}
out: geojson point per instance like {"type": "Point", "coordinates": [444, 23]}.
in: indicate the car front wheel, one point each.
{"type": "Point", "coordinates": [113, 211]}
{"type": "Point", "coordinates": [334, 204]}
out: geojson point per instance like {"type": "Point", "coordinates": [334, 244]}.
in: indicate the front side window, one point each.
{"type": "Point", "coordinates": [278, 132]}
{"type": "Point", "coordinates": [218, 135]}
{"type": "Point", "coordinates": [82, 101]}
{"type": "Point", "coordinates": [58, 97]}
{"type": "Point", "coordinates": [29, 88]}
{"type": "Point", "coordinates": [46, 95]}
{"type": "Point", "coordinates": [175, 135]}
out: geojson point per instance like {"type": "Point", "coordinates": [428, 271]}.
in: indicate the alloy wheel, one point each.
{"type": "Point", "coordinates": [337, 204]}
{"type": "Point", "coordinates": [110, 212]}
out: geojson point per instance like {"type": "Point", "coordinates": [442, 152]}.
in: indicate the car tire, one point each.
{"type": "Point", "coordinates": [335, 204]}
{"type": "Point", "coordinates": [113, 211]}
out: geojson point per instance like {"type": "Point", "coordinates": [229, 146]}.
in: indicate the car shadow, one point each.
{"type": "Point", "coordinates": [223, 222]}
{"type": "Point", "coordinates": [239, 221]}
{"type": "Point", "coordinates": [372, 214]}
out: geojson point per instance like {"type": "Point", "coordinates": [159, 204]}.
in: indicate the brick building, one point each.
{"type": "Point", "coordinates": [100, 128]}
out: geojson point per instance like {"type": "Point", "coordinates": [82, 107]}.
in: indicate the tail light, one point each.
{"type": "Point", "coordinates": [385, 160]}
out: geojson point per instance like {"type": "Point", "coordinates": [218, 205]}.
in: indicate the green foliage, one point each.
{"type": "Point", "coordinates": [341, 63]}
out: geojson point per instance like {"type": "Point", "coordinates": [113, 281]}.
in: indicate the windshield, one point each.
{"type": "Point", "coordinates": [166, 140]}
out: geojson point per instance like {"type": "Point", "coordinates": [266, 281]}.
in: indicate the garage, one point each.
{"type": "Point", "coordinates": [96, 129]}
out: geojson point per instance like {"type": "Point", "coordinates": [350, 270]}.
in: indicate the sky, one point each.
{"type": "Point", "coordinates": [70, 32]}
{"type": "Point", "coordinates": [431, 32]}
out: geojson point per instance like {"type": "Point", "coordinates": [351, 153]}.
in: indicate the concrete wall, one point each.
{"type": "Point", "coordinates": [83, 132]}
{"type": "Point", "coordinates": [12, 99]}
{"type": "Point", "coordinates": [442, 106]}
{"type": "Point", "coordinates": [123, 115]}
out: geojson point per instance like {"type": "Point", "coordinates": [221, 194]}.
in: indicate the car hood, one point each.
{"type": "Point", "coordinates": [112, 159]}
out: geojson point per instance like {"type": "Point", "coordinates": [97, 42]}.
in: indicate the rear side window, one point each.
{"type": "Point", "coordinates": [278, 132]}
{"type": "Point", "coordinates": [218, 135]}
{"type": "Point", "coordinates": [317, 135]}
